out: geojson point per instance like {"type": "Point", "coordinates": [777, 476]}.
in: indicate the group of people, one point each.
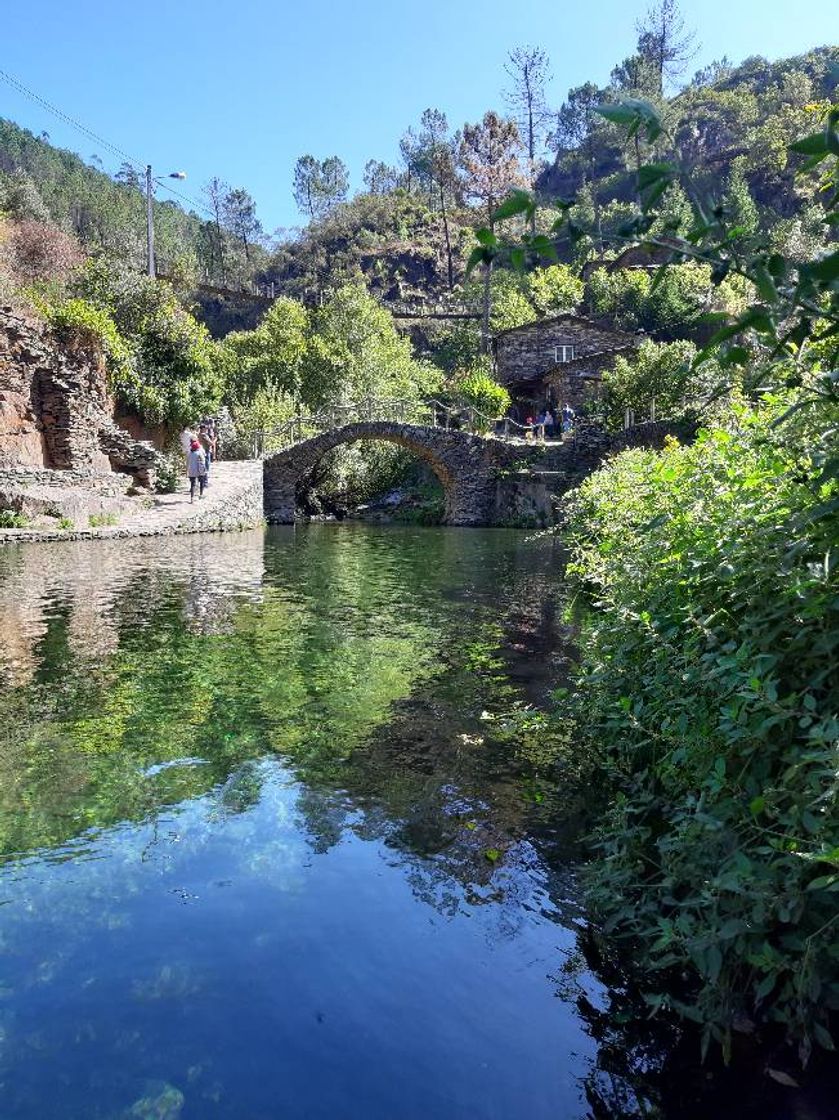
{"type": "Point", "coordinates": [551, 420]}
{"type": "Point", "coordinates": [200, 451]}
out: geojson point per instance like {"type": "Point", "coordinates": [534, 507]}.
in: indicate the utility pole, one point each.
{"type": "Point", "coordinates": [149, 220]}
{"type": "Point", "coordinates": [150, 213]}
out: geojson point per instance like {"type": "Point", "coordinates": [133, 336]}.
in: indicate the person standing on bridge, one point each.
{"type": "Point", "coordinates": [197, 470]}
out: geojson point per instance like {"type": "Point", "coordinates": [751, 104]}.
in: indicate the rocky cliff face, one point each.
{"type": "Point", "coordinates": [55, 409]}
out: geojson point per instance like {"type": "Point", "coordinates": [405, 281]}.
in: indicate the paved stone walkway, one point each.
{"type": "Point", "coordinates": [233, 500]}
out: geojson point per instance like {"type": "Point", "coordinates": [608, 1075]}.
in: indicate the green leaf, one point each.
{"type": "Point", "coordinates": [764, 283]}
{"type": "Point", "coordinates": [813, 145]}
{"type": "Point", "coordinates": [543, 245]}
{"type": "Point", "coordinates": [620, 113]}
{"type": "Point", "coordinates": [822, 883]}
{"type": "Point", "coordinates": [486, 237]}
{"type": "Point", "coordinates": [822, 1036]}
{"type": "Point", "coordinates": [519, 202]}
{"type": "Point", "coordinates": [653, 173]}
{"type": "Point", "coordinates": [479, 255]}
{"type": "Point", "coordinates": [493, 855]}
{"type": "Point", "coordinates": [825, 270]}
{"type": "Point", "coordinates": [765, 986]}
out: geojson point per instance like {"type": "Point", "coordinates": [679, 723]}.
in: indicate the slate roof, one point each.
{"type": "Point", "coordinates": [566, 317]}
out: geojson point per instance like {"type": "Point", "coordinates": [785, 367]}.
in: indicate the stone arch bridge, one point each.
{"type": "Point", "coordinates": [486, 480]}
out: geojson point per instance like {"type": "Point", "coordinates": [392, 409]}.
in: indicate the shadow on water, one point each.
{"type": "Point", "coordinates": [281, 835]}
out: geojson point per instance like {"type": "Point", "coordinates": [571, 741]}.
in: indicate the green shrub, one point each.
{"type": "Point", "coordinates": [11, 519]}
{"type": "Point", "coordinates": [669, 305]}
{"type": "Point", "coordinates": [710, 687]}
{"type": "Point", "coordinates": [169, 473]}
{"type": "Point", "coordinates": [554, 289]}
{"type": "Point", "coordinates": [480, 391]}
{"type": "Point", "coordinates": [660, 376]}
{"type": "Point", "coordinates": [176, 374]}
{"type": "Point", "coordinates": [66, 523]}
{"type": "Point", "coordinates": [77, 318]}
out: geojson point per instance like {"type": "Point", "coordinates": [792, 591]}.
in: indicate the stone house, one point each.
{"type": "Point", "coordinates": [558, 360]}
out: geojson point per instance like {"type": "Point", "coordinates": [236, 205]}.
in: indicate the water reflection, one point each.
{"type": "Point", "coordinates": [264, 854]}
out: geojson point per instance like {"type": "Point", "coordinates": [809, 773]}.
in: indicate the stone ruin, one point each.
{"type": "Point", "coordinates": [55, 409]}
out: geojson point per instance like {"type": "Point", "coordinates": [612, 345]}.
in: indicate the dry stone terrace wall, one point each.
{"type": "Point", "coordinates": [55, 409]}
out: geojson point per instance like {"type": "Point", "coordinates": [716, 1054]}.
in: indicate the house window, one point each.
{"type": "Point", "coordinates": [564, 353]}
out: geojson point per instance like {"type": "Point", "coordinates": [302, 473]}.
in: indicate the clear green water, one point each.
{"type": "Point", "coordinates": [262, 853]}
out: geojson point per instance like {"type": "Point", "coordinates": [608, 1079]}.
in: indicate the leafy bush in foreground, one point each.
{"type": "Point", "coordinates": [710, 686]}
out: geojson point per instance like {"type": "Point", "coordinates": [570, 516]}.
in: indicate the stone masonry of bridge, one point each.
{"type": "Point", "coordinates": [466, 465]}
{"type": "Point", "coordinates": [486, 481]}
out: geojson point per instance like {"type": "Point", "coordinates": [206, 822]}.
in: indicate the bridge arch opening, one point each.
{"type": "Point", "coordinates": [380, 476]}
{"type": "Point", "coordinates": [461, 463]}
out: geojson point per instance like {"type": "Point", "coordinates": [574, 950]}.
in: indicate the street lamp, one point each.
{"type": "Point", "coordinates": [149, 212]}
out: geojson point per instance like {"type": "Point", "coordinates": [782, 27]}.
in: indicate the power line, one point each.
{"type": "Point", "coordinates": [186, 198]}
{"type": "Point", "coordinates": [18, 85]}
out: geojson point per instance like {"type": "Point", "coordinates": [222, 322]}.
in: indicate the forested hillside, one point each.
{"type": "Point", "coordinates": [408, 231]}
{"type": "Point", "coordinates": [732, 126]}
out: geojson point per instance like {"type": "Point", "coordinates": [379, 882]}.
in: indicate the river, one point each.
{"type": "Point", "coordinates": [281, 833]}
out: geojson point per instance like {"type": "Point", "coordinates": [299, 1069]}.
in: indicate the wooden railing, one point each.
{"type": "Point", "coordinates": [432, 413]}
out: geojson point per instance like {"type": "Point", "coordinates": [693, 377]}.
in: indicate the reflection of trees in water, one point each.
{"type": "Point", "coordinates": [105, 588]}
{"type": "Point", "coordinates": [309, 664]}
{"type": "Point", "coordinates": [364, 660]}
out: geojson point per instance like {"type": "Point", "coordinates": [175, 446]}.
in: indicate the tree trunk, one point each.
{"type": "Point", "coordinates": [448, 239]}
{"type": "Point", "coordinates": [531, 148]}
{"type": "Point", "coordinates": [486, 308]}
{"type": "Point", "coordinates": [220, 249]}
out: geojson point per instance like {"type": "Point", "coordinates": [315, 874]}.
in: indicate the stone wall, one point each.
{"type": "Point", "coordinates": [22, 442]}
{"type": "Point", "coordinates": [55, 409]}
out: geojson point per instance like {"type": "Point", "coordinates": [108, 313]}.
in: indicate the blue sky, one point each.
{"type": "Point", "coordinates": [241, 90]}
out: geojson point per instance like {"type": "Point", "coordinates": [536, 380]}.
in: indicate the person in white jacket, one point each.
{"type": "Point", "coordinates": [186, 437]}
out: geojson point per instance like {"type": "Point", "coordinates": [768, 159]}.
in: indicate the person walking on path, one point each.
{"type": "Point", "coordinates": [212, 432]}
{"type": "Point", "coordinates": [208, 444]}
{"type": "Point", "coordinates": [186, 437]}
{"type": "Point", "coordinates": [197, 470]}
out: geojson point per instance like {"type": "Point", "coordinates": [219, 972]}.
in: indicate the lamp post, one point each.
{"type": "Point", "coordinates": [150, 181]}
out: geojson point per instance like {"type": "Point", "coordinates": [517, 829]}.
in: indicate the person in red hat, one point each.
{"type": "Point", "coordinates": [196, 469]}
